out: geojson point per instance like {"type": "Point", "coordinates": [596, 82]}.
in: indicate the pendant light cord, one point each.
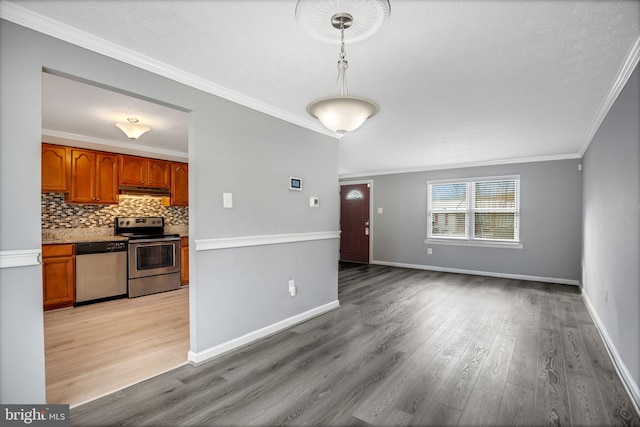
{"type": "Point", "coordinates": [341, 81]}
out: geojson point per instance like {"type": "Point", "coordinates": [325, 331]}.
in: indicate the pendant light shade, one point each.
{"type": "Point", "coordinates": [133, 129]}
{"type": "Point", "coordinates": [342, 114]}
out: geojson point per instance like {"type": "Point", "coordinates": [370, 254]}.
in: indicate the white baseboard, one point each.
{"type": "Point", "coordinates": [480, 273]}
{"type": "Point", "coordinates": [621, 368]}
{"type": "Point", "coordinates": [201, 356]}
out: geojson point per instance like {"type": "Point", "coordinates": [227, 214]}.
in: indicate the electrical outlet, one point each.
{"type": "Point", "coordinates": [429, 251]}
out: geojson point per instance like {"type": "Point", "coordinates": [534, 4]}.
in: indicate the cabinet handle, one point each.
{"type": "Point", "coordinates": [142, 181]}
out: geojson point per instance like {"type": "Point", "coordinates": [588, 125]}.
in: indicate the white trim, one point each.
{"type": "Point", "coordinates": [462, 165]}
{"type": "Point", "coordinates": [621, 368]}
{"type": "Point", "coordinates": [480, 273]}
{"type": "Point", "coordinates": [371, 210]}
{"type": "Point", "coordinates": [201, 356]}
{"type": "Point", "coordinates": [50, 27]}
{"type": "Point", "coordinates": [20, 258]}
{"type": "Point", "coordinates": [472, 243]}
{"type": "Point", "coordinates": [273, 239]}
{"type": "Point", "coordinates": [474, 179]}
{"type": "Point", "coordinates": [621, 80]}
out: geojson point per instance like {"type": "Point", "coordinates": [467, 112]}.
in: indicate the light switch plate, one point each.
{"type": "Point", "coordinates": [227, 200]}
{"type": "Point", "coordinates": [314, 202]}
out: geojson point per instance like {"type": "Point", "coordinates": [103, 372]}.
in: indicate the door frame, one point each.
{"type": "Point", "coordinates": [371, 212]}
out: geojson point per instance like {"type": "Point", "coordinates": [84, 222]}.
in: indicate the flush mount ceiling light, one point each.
{"type": "Point", "coordinates": [342, 113]}
{"type": "Point", "coordinates": [133, 129]}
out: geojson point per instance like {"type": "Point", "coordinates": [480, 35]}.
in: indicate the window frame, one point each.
{"type": "Point", "coordinates": [470, 211]}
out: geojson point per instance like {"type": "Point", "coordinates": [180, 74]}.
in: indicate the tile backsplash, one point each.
{"type": "Point", "coordinates": [57, 214]}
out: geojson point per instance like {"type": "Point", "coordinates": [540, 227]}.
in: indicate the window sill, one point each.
{"type": "Point", "coordinates": [474, 243]}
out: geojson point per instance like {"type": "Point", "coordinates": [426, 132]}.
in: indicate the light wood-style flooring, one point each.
{"type": "Point", "coordinates": [406, 347]}
{"type": "Point", "coordinates": [97, 349]}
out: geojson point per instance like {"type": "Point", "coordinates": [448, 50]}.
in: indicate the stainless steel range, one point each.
{"type": "Point", "coordinates": [153, 256]}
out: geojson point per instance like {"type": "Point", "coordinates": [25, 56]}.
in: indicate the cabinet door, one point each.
{"type": "Point", "coordinates": [184, 261]}
{"type": "Point", "coordinates": [179, 184]}
{"type": "Point", "coordinates": [55, 168]}
{"type": "Point", "coordinates": [107, 178]}
{"type": "Point", "coordinates": [133, 170]}
{"type": "Point", "coordinates": [58, 276]}
{"type": "Point", "coordinates": [83, 176]}
{"type": "Point", "coordinates": [159, 173]}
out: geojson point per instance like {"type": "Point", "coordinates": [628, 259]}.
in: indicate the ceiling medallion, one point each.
{"type": "Point", "coordinates": [368, 16]}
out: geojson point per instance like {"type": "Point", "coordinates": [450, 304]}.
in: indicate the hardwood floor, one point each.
{"type": "Point", "coordinates": [406, 347]}
{"type": "Point", "coordinates": [97, 349]}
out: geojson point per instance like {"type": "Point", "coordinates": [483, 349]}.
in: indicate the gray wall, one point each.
{"type": "Point", "coordinates": [550, 230]}
{"type": "Point", "coordinates": [231, 149]}
{"type": "Point", "coordinates": [611, 250]}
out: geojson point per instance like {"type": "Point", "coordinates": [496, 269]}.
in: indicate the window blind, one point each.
{"type": "Point", "coordinates": [479, 209]}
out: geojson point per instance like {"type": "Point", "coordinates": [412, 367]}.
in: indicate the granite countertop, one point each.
{"type": "Point", "coordinates": [60, 236]}
{"type": "Point", "coordinates": [79, 239]}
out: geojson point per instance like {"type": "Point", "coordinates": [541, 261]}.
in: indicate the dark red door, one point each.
{"type": "Point", "coordinates": [354, 222]}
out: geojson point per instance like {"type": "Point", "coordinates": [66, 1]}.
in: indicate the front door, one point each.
{"type": "Point", "coordinates": [354, 222]}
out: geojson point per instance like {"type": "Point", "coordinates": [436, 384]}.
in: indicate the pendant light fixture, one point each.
{"type": "Point", "coordinates": [132, 128]}
{"type": "Point", "coordinates": [342, 113]}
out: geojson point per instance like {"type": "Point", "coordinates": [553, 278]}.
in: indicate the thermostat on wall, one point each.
{"type": "Point", "coordinates": [295, 183]}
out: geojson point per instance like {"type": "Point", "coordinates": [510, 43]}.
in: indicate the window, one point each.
{"type": "Point", "coordinates": [480, 209]}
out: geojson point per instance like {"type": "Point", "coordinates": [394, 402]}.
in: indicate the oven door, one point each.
{"type": "Point", "coordinates": [151, 258]}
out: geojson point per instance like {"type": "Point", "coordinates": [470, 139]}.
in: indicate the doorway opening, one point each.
{"type": "Point", "coordinates": [96, 349]}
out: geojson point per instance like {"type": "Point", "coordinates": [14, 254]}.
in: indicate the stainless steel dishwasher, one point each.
{"type": "Point", "coordinates": [101, 271]}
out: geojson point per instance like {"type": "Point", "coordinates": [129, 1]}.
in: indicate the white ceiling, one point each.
{"type": "Point", "coordinates": [458, 82]}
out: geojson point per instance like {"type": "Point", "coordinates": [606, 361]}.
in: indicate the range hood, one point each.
{"type": "Point", "coordinates": [154, 191]}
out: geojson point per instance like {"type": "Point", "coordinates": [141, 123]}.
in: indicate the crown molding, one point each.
{"type": "Point", "coordinates": [26, 18]}
{"type": "Point", "coordinates": [621, 80]}
{"type": "Point", "coordinates": [462, 165]}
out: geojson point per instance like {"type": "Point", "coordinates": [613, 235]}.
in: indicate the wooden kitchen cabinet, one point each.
{"type": "Point", "coordinates": [58, 276]}
{"type": "Point", "coordinates": [55, 168]}
{"type": "Point", "coordinates": [143, 172]}
{"type": "Point", "coordinates": [179, 186]}
{"type": "Point", "coordinates": [94, 177]}
{"type": "Point", "coordinates": [184, 261]}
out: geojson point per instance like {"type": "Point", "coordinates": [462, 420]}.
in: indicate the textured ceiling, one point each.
{"type": "Point", "coordinates": [458, 82]}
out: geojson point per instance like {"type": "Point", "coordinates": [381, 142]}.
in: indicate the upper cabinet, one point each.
{"type": "Point", "coordinates": [94, 177]}
{"type": "Point", "coordinates": [179, 184]}
{"type": "Point", "coordinates": [143, 172]}
{"type": "Point", "coordinates": [55, 168]}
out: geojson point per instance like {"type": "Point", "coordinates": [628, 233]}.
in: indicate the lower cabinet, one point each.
{"type": "Point", "coordinates": [184, 261]}
{"type": "Point", "coordinates": [58, 276]}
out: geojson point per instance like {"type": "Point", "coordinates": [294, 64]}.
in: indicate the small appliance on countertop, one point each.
{"type": "Point", "coordinates": [153, 256]}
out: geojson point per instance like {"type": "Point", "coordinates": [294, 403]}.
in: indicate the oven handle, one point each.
{"type": "Point", "coordinates": [166, 239]}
